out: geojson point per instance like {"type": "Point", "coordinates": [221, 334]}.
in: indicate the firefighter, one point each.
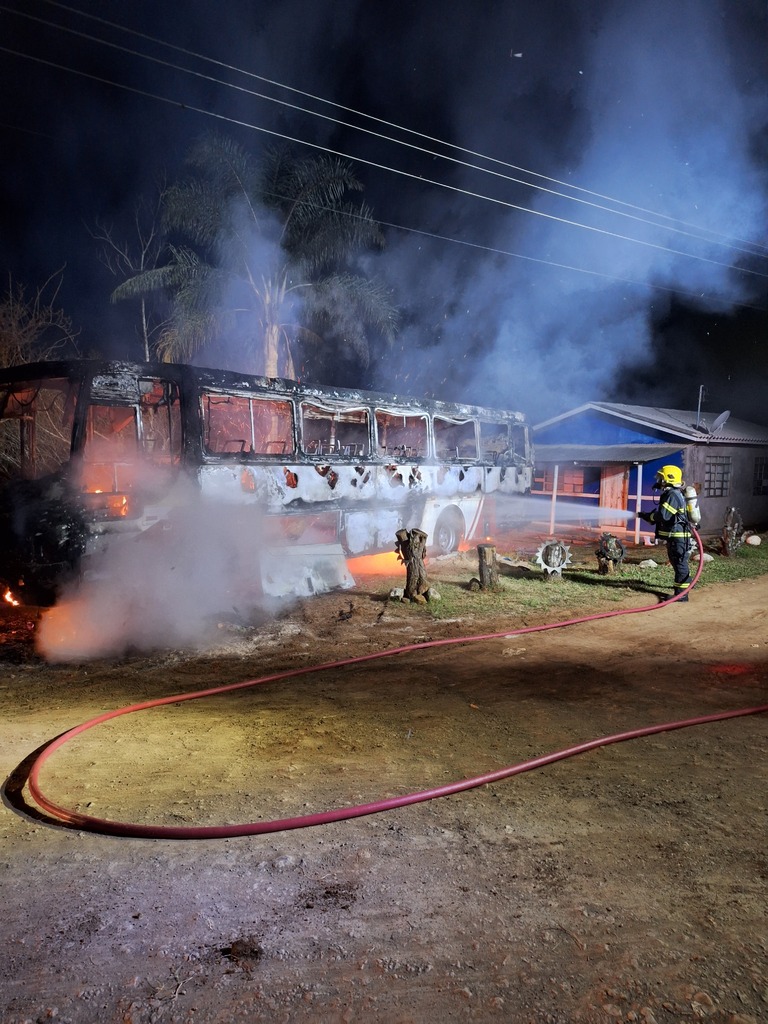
{"type": "Point", "coordinates": [671, 521]}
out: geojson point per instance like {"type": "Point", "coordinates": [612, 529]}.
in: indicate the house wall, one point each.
{"type": "Point", "coordinates": [745, 474]}
{"type": "Point", "coordinates": [745, 471]}
{"type": "Point", "coordinates": [584, 483]}
{"type": "Point", "coordinates": [747, 466]}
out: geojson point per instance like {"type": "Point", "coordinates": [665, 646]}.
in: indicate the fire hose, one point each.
{"type": "Point", "coordinates": [106, 826]}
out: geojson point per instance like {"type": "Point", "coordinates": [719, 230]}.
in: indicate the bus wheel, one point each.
{"type": "Point", "coordinates": [449, 531]}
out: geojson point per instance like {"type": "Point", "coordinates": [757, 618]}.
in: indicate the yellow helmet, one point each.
{"type": "Point", "coordinates": [671, 475]}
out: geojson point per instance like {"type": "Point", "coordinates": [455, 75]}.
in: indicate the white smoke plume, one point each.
{"type": "Point", "coordinates": [164, 588]}
{"type": "Point", "coordinates": [663, 119]}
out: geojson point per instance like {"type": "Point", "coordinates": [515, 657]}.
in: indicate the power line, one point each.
{"type": "Point", "coordinates": [26, 131]}
{"type": "Point", "coordinates": [375, 164]}
{"type": "Point", "coordinates": [558, 266]}
{"type": "Point", "coordinates": [756, 249]}
{"type": "Point", "coordinates": [715, 237]}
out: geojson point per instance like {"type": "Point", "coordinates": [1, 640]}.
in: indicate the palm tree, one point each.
{"type": "Point", "coordinates": [261, 254]}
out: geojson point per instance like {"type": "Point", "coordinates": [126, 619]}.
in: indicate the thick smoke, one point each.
{"type": "Point", "coordinates": [658, 104]}
{"type": "Point", "coordinates": [662, 118]}
{"type": "Point", "coordinates": [168, 587]}
{"type": "Point", "coordinates": [662, 105]}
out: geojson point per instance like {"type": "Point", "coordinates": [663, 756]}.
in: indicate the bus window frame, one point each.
{"type": "Point", "coordinates": [442, 454]}
{"type": "Point", "coordinates": [247, 451]}
{"type": "Point", "coordinates": [316, 448]}
{"type": "Point", "coordinates": [27, 416]}
{"type": "Point", "coordinates": [403, 452]}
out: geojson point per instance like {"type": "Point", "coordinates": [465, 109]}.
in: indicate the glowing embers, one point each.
{"type": "Point", "coordinates": [105, 505]}
{"type": "Point", "coordinates": [387, 563]}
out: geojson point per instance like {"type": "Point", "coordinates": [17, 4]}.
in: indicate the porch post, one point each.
{"type": "Point", "coordinates": [638, 501]}
{"type": "Point", "coordinates": [554, 502]}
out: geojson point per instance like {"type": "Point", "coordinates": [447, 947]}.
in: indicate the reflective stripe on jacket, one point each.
{"type": "Point", "coordinates": [671, 517]}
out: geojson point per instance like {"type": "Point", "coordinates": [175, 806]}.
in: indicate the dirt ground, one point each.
{"type": "Point", "coordinates": [624, 884]}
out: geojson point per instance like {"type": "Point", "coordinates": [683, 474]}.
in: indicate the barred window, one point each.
{"type": "Point", "coordinates": [761, 475]}
{"type": "Point", "coordinates": [717, 476]}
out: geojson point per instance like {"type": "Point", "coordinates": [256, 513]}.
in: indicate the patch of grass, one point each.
{"type": "Point", "coordinates": [746, 563]}
{"type": "Point", "coordinates": [581, 590]}
{"type": "Point", "coordinates": [527, 593]}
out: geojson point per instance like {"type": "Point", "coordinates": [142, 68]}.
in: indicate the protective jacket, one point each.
{"type": "Point", "coordinates": [670, 517]}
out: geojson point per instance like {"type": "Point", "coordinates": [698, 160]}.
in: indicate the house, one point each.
{"type": "Point", "coordinates": [604, 456]}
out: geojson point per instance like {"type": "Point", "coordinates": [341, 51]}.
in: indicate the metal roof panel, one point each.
{"type": "Point", "coordinates": [679, 422]}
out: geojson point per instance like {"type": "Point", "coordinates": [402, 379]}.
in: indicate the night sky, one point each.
{"type": "Point", "coordinates": [575, 193]}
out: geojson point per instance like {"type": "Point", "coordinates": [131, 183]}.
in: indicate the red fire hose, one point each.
{"type": "Point", "coordinates": [120, 828]}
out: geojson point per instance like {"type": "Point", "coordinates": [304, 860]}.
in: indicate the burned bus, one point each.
{"type": "Point", "coordinates": [95, 453]}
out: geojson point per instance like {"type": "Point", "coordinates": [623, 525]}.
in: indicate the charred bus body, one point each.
{"type": "Point", "coordinates": [94, 452]}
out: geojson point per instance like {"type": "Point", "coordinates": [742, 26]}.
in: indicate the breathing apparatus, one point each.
{"type": "Point", "coordinates": [692, 505]}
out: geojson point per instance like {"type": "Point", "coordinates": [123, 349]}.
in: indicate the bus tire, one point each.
{"type": "Point", "coordinates": [449, 532]}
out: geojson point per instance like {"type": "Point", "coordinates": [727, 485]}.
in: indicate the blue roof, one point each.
{"type": "Point", "coordinates": [642, 422]}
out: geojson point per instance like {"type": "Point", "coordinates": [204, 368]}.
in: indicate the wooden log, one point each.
{"type": "Point", "coordinates": [489, 573]}
{"type": "Point", "coordinates": [411, 547]}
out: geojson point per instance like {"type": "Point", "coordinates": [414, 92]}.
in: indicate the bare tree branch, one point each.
{"type": "Point", "coordinates": [31, 327]}
{"type": "Point", "coordinates": [127, 260]}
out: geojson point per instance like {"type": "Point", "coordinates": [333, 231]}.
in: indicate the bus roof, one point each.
{"type": "Point", "coordinates": [250, 383]}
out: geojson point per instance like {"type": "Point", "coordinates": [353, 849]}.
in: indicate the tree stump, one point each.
{"type": "Point", "coordinates": [733, 532]}
{"type": "Point", "coordinates": [411, 547]}
{"type": "Point", "coordinates": [489, 573]}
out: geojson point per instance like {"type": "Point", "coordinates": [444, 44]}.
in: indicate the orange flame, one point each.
{"type": "Point", "coordinates": [8, 596]}
{"type": "Point", "coordinates": [385, 564]}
